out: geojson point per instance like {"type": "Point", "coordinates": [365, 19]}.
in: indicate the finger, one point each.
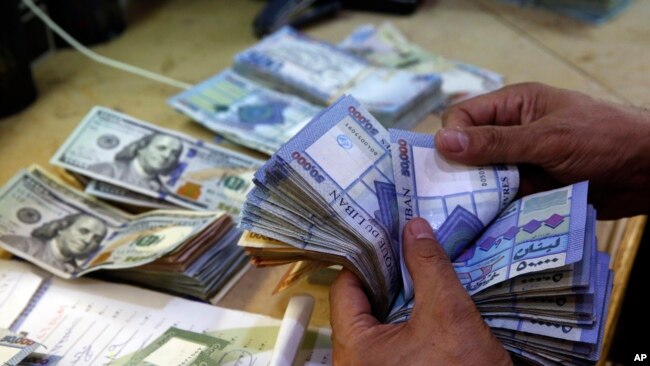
{"type": "Point", "coordinates": [497, 144]}
{"type": "Point", "coordinates": [511, 105]}
{"type": "Point", "coordinates": [349, 306]}
{"type": "Point", "coordinates": [434, 279]}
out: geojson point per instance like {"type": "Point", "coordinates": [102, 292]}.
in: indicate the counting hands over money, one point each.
{"type": "Point", "coordinates": [343, 189]}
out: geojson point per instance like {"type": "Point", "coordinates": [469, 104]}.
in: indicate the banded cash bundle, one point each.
{"type": "Point", "coordinates": [244, 111]}
{"type": "Point", "coordinates": [387, 46]}
{"type": "Point", "coordinates": [342, 190]}
{"type": "Point", "coordinates": [71, 234]}
{"type": "Point", "coordinates": [134, 162]}
{"type": "Point", "coordinates": [321, 72]}
{"type": "Point", "coordinates": [18, 350]}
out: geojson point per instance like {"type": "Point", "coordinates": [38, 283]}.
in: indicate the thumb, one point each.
{"type": "Point", "coordinates": [437, 288]}
{"type": "Point", "coordinates": [492, 144]}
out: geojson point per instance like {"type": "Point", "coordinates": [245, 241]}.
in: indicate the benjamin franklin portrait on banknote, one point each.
{"type": "Point", "coordinates": [63, 243]}
{"type": "Point", "coordinates": [143, 161]}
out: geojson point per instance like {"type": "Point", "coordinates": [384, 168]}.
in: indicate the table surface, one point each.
{"type": "Point", "coordinates": [192, 40]}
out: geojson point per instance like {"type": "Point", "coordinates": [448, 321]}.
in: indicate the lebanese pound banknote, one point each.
{"type": "Point", "coordinates": [458, 201]}
{"type": "Point", "coordinates": [538, 232]}
{"type": "Point", "coordinates": [244, 111]}
{"type": "Point", "coordinates": [70, 234]}
{"type": "Point", "coordinates": [542, 244]}
{"type": "Point", "coordinates": [576, 278]}
{"type": "Point", "coordinates": [14, 348]}
{"type": "Point", "coordinates": [581, 334]}
{"type": "Point", "coordinates": [321, 72]}
{"type": "Point", "coordinates": [386, 46]}
{"type": "Point", "coordinates": [115, 148]}
{"type": "Point", "coordinates": [327, 174]}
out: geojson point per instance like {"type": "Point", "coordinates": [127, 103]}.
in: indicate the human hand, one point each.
{"type": "Point", "coordinates": [557, 137]}
{"type": "Point", "coordinates": [445, 327]}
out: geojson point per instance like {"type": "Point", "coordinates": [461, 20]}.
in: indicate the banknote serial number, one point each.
{"type": "Point", "coordinates": [362, 139]}
{"type": "Point", "coordinates": [362, 120]}
{"type": "Point", "coordinates": [309, 167]}
{"type": "Point", "coordinates": [482, 176]}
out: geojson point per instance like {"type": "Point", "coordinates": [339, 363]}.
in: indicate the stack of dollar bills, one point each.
{"type": "Point", "coordinates": [71, 234]}
{"type": "Point", "coordinates": [342, 190]}
{"type": "Point", "coordinates": [320, 72]}
{"type": "Point", "coordinates": [126, 160]}
{"type": "Point", "coordinates": [186, 246]}
{"type": "Point", "coordinates": [17, 350]}
{"type": "Point", "coordinates": [386, 46]}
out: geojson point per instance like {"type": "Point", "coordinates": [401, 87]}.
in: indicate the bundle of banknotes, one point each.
{"type": "Point", "coordinates": [253, 114]}
{"type": "Point", "coordinates": [17, 350]}
{"type": "Point", "coordinates": [342, 190]}
{"type": "Point", "coordinates": [320, 72]}
{"type": "Point", "coordinates": [71, 234]}
{"type": "Point", "coordinates": [386, 46]}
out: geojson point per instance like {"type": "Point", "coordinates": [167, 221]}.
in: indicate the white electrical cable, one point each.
{"type": "Point", "coordinates": [99, 58]}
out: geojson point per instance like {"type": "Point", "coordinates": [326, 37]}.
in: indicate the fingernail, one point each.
{"type": "Point", "coordinates": [454, 140]}
{"type": "Point", "coordinates": [420, 229]}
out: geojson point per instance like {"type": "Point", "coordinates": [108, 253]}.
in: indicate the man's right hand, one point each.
{"type": "Point", "coordinates": [557, 137]}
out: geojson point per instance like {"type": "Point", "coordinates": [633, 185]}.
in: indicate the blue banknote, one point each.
{"type": "Point", "coordinates": [458, 201]}
{"type": "Point", "coordinates": [538, 232]}
{"type": "Point", "coordinates": [583, 334]}
{"type": "Point", "coordinates": [575, 278]}
{"type": "Point", "coordinates": [343, 189]}
{"type": "Point", "coordinates": [244, 111]}
{"type": "Point", "coordinates": [329, 173]}
{"type": "Point", "coordinates": [321, 72]}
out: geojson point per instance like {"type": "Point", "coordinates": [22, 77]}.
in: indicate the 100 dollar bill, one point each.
{"type": "Point", "coordinates": [114, 193]}
{"type": "Point", "coordinates": [70, 234]}
{"type": "Point", "coordinates": [129, 153]}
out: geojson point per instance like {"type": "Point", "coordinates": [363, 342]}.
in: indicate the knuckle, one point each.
{"type": "Point", "coordinates": [453, 116]}
{"type": "Point", "coordinates": [490, 143]}
{"type": "Point", "coordinates": [553, 150]}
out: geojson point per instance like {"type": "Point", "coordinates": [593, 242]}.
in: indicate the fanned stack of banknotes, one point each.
{"type": "Point", "coordinates": [280, 84]}
{"type": "Point", "coordinates": [16, 350]}
{"type": "Point", "coordinates": [188, 252]}
{"type": "Point", "coordinates": [342, 190]}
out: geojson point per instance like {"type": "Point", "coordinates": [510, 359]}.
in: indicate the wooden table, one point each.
{"type": "Point", "coordinates": [192, 40]}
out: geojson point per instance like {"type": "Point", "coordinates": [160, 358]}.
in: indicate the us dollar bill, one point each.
{"type": "Point", "coordinates": [118, 149]}
{"type": "Point", "coordinates": [70, 234]}
{"type": "Point", "coordinates": [118, 194]}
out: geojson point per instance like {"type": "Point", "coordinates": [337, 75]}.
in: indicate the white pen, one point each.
{"type": "Point", "coordinates": [292, 330]}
